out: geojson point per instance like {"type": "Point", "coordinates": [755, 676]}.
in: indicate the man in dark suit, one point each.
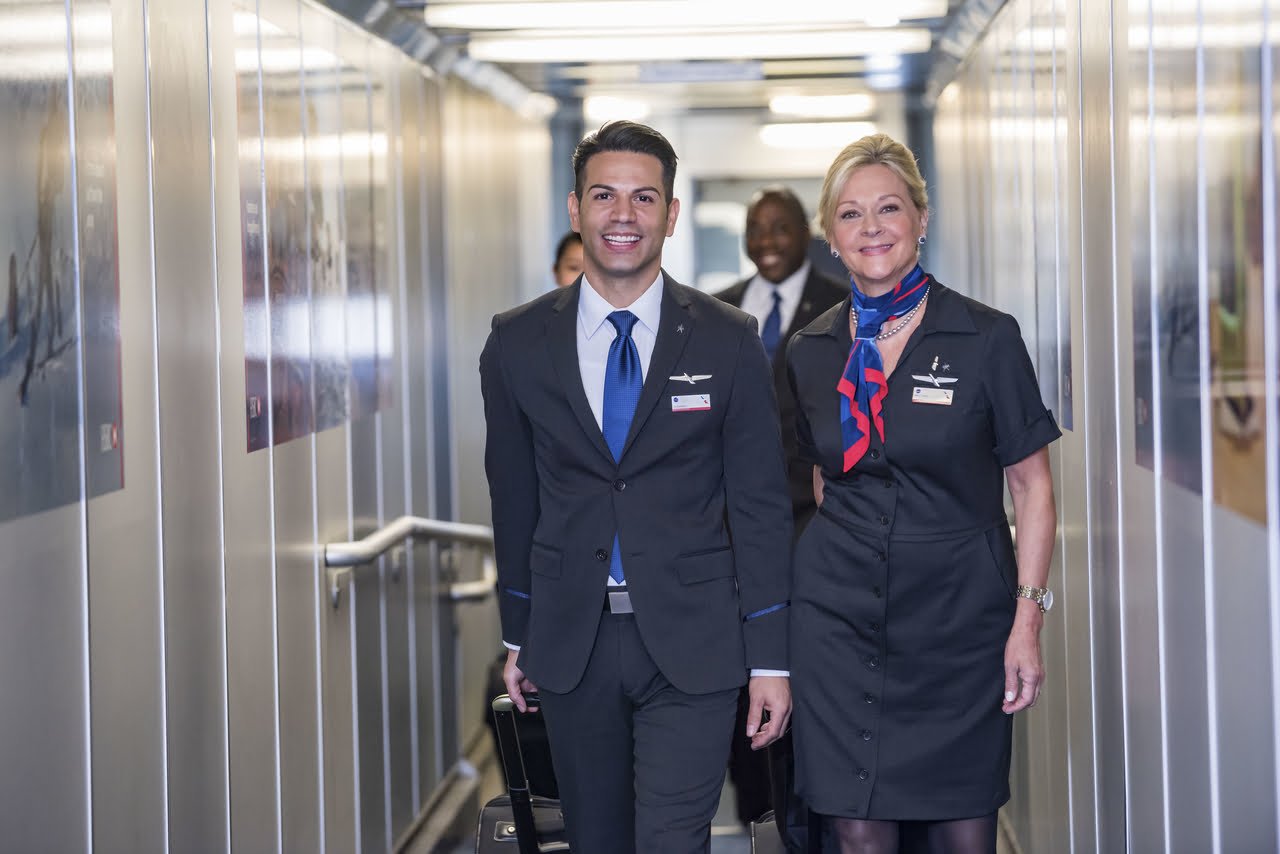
{"type": "Point", "coordinates": [640, 516]}
{"type": "Point", "coordinates": [784, 295]}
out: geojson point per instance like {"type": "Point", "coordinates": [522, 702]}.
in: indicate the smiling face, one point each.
{"type": "Point", "coordinates": [623, 218]}
{"type": "Point", "coordinates": [777, 238]}
{"type": "Point", "coordinates": [876, 228]}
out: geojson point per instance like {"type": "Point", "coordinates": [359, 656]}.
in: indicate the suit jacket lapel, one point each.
{"type": "Point", "coordinates": [562, 341]}
{"type": "Point", "coordinates": [675, 327]}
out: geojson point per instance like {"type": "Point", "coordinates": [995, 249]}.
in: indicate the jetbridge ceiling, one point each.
{"type": "Point", "coordinates": [633, 57]}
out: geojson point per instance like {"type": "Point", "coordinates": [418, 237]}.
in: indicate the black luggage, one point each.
{"type": "Point", "coordinates": [517, 822]}
{"type": "Point", "coordinates": [764, 836]}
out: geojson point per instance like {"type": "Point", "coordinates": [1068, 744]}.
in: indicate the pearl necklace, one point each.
{"type": "Point", "coordinates": [906, 318]}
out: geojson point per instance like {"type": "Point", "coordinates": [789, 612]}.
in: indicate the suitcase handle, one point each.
{"type": "Point", "coordinates": [504, 717]}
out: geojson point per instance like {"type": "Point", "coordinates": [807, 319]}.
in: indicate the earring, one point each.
{"type": "Point", "coordinates": [835, 254]}
{"type": "Point", "coordinates": [920, 240]}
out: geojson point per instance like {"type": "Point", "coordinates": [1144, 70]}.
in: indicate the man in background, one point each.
{"type": "Point", "coordinates": [784, 295]}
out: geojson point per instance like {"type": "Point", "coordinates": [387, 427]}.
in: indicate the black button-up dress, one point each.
{"type": "Point", "coordinates": [903, 592]}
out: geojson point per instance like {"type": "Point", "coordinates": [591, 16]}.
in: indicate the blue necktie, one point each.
{"type": "Point", "coordinates": [622, 381]}
{"type": "Point", "coordinates": [771, 332]}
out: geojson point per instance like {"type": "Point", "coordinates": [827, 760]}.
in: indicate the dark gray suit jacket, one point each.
{"type": "Point", "coordinates": [819, 294]}
{"type": "Point", "coordinates": [698, 499]}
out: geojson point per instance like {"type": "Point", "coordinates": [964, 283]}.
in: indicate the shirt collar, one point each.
{"type": "Point", "coordinates": [791, 287]}
{"type": "Point", "coordinates": [594, 310]}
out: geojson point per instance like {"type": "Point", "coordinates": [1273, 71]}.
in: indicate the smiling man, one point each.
{"type": "Point", "coordinates": [640, 516]}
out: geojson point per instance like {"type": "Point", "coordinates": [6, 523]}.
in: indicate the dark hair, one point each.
{"type": "Point", "coordinates": [568, 240]}
{"type": "Point", "coordinates": [626, 136]}
{"type": "Point", "coordinates": [784, 195]}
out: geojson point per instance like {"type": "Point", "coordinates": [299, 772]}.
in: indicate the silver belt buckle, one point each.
{"type": "Point", "coordinates": [620, 602]}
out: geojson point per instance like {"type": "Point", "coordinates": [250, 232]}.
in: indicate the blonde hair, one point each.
{"type": "Point", "coordinates": [878, 148]}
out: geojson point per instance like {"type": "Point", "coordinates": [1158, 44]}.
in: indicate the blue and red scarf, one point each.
{"type": "Point", "coordinates": [863, 385]}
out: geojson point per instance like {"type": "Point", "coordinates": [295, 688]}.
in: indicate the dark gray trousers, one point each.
{"type": "Point", "coordinates": [640, 764]}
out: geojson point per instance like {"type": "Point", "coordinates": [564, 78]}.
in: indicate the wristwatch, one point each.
{"type": "Point", "coordinates": [1042, 596]}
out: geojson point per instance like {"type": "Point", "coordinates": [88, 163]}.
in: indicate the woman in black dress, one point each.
{"type": "Point", "coordinates": [915, 629]}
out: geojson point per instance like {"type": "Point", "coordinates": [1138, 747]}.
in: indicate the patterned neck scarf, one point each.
{"type": "Point", "coordinates": [863, 385]}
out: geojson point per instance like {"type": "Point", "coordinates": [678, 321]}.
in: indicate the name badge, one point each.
{"type": "Point", "coordinates": [938, 396]}
{"type": "Point", "coordinates": [690, 403]}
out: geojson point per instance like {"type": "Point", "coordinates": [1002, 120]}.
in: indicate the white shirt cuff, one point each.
{"type": "Point", "coordinates": [511, 646]}
{"type": "Point", "coordinates": [786, 673]}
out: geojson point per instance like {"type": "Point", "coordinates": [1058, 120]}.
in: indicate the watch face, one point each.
{"type": "Point", "coordinates": [1047, 602]}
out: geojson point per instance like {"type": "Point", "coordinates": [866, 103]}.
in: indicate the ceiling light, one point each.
{"type": "Point", "coordinates": [884, 81]}
{"type": "Point", "coordinates": [814, 134]}
{"type": "Point", "coordinates": [674, 14]}
{"type": "Point", "coordinates": [883, 62]}
{"type": "Point", "coordinates": [881, 19]}
{"type": "Point", "coordinates": [530, 46]}
{"type": "Point", "coordinates": [823, 106]}
{"type": "Point", "coordinates": [598, 109]}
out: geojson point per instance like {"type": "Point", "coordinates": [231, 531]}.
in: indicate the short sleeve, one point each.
{"type": "Point", "coordinates": [1020, 420]}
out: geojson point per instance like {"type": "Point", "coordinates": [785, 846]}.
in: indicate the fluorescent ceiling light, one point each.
{"type": "Point", "coordinates": [814, 134]}
{"type": "Point", "coordinates": [531, 47]}
{"type": "Point", "coordinates": [673, 14]}
{"type": "Point", "coordinates": [883, 62]}
{"type": "Point", "coordinates": [602, 108]}
{"type": "Point", "coordinates": [823, 106]}
{"type": "Point", "coordinates": [882, 19]}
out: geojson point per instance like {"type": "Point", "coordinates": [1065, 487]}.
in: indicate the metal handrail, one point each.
{"type": "Point", "coordinates": [340, 558]}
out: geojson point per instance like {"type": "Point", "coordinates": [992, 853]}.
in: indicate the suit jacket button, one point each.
{"type": "Point", "coordinates": [602, 555]}
{"type": "Point", "coordinates": [619, 485]}
{"type": "Point", "coordinates": [864, 774]}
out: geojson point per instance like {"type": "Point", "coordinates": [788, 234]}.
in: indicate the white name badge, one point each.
{"type": "Point", "coordinates": [939, 396]}
{"type": "Point", "coordinates": [690, 402]}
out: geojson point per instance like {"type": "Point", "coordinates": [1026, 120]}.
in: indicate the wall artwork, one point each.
{"type": "Point", "coordinates": [322, 134]}
{"type": "Point", "coordinates": [288, 289]}
{"type": "Point", "coordinates": [257, 391]}
{"type": "Point", "coordinates": [99, 271]}
{"type": "Point", "coordinates": [40, 340]}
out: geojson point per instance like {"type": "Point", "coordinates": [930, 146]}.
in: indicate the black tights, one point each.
{"type": "Point", "coordinates": [867, 836]}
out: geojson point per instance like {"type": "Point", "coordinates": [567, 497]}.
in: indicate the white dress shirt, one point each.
{"type": "Point", "coordinates": [757, 299]}
{"type": "Point", "coordinates": [596, 334]}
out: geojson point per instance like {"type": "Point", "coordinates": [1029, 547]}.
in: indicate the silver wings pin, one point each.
{"type": "Point", "coordinates": [686, 378]}
{"type": "Point", "coordinates": [936, 381]}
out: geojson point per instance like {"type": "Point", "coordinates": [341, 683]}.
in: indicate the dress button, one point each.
{"type": "Point", "coordinates": [884, 520]}
{"type": "Point", "coordinates": [864, 774]}
{"type": "Point", "coordinates": [866, 735]}
{"type": "Point", "coordinates": [875, 454]}
{"type": "Point", "coordinates": [876, 591]}
{"type": "Point", "coordinates": [875, 627]}
{"type": "Point", "coordinates": [602, 555]}
{"type": "Point", "coordinates": [619, 485]}
{"type": "Point", "coordinates": [868, 698]}
{"type": "Point", "coordinates": [888, 483]}
{"type": "Point", "coordinates": [882, 557]}
{"type": "Point", "coordinates": [873, 662]}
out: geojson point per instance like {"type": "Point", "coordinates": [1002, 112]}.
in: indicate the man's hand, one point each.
{"type": "Point", "coordinates": [771, 694]}
{"type": "Point", "coordinates": [517, 685]}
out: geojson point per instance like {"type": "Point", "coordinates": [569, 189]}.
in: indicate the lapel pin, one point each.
{"type": "Point", "coordinates": [934, 366]}
{"type": "Point", "coordinates": [680, 328]}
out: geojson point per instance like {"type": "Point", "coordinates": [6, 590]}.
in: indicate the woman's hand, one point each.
{"type": "Point", "coordinates": [1023, 665]}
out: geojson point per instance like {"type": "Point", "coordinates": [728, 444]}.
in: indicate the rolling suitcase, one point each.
{"type": "Point", "coordinates": [518, 822]}
{"type": "Point", "coordinates": [764, 836]}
